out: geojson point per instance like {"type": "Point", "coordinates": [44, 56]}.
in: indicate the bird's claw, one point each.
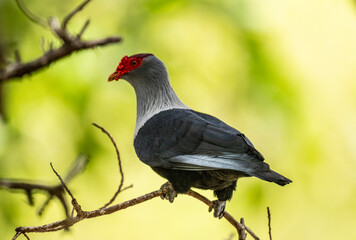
{"type": "Point", "coordinates": [219, 208]}
{"type": "Point", "coordinates": [168, 192]}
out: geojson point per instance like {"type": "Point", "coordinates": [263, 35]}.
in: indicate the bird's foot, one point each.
{"type": "Point", "coordinates": [168, 192]}
{"type": "Point", "coordinates": [219, 208]}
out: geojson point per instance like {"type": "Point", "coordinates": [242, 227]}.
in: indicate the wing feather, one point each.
{"type": "Point", "coordinates": [188, 140]}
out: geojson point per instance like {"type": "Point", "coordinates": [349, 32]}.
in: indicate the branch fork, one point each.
{"type": "Point", "coordinates": [71, 43]}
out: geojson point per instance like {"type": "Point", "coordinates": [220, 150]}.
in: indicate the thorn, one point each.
{"type": "Point", "coordinates": [85, 26]}
{"type": "Point", "coordinates": [42, 44]}
{"type": "Point", "coordinates": [51, 46]}
{"type": "Point", "coordinates": [17, 56]}
{"type": "Point", "coordinates": [29, 197]}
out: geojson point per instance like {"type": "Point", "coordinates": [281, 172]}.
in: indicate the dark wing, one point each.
{"type": "Point", "coordinates": [222, 125]}
{"type": "Point", "coordinates": [187, 140]}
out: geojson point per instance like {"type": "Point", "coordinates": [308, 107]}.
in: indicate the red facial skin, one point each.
{"type": "Point", "coordinates": [127, 64]}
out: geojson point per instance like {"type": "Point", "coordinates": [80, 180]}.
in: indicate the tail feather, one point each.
{"type": "Point", "coordinates": [272, 176]}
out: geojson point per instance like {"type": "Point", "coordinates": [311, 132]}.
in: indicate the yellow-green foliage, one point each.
{"type": "Point", "coordinates": [282, 72]}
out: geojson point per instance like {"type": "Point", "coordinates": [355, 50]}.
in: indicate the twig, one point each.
{"type": "Point", "coordinates": [45, 204]}
{"type": "Point", "coordinates": [86, 24]}
{"type": "Point", "coordinates": [16, 235]}
{"type": "Point", "coordinates": [18, 70]}
{"type": "Point", "coordinates": [56, 190]}
{"type": "Point", "coordinates": [26, 236]}
{"type": "Point", "coordinates": [52, 191]}
{"type": "Point", "coordinates": [34, 18]}
{"type": "Point", "coordinates": [269, 223]}
{"type": "Point", "coordinates": [239, 226]}
{"type": "Point", "coordinates": [72, 13]}
{"type": "Point", "coordinates": [71, 43]}
{"type": "Point", "coordinates": [253, 235]}
{"type": "Point", "coordinates": [119, 162]}
{"type": "Point", "coordinates": [242, 231]}
{"type": "Point", "coordinates": [75, 204]}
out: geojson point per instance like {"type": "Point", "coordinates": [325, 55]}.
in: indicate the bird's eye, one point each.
{"type": "Point", "coordinates": [133, 63]}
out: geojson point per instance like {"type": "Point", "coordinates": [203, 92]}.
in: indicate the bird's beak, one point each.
{"type": "Point", "coordinates": [113, 76]}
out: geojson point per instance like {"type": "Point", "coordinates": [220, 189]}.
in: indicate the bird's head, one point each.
{"type": "Point", "coordinates": [149, 77]}
{"type": "Point", "coordinates": [132, 66]}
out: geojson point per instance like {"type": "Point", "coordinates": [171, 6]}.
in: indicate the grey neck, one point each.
{"type": "Point", "coordinates": [153, 96]}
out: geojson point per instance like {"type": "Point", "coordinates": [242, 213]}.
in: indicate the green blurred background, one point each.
{"type": "Point", "coordinates": [282, 72]}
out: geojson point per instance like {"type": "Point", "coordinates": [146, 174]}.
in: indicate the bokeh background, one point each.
{"type": "Point", "coordinates": [282, 72]}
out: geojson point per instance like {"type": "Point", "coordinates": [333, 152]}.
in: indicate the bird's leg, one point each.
{"type": "Point", "coordinates": [219, 208]}
{"type": "Point", "coordinates": [168, 192]}
{"type": "Point", "coordinates": [223, 195]}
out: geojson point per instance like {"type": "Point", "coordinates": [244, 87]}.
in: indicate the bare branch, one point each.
{"type": "Point", "coordinates": [251, 233]}
{"type": "Point", "coordinates": [75, 204]}
{"type": "Point", "coordinates": [60, 32]}
{"type": "Point", "coordinates": [26, 236]}
{"type": "Point", "coordinates": [53, 191]}
{"type": "Point", "coordinates": [242, 232]}
{"type": "Point", "coordinates": [269, 223]}
{"type": "Point", "coordinates": [71, 43]}
{"type": "Point", "coordinates": [45, 204]}
{"type": "Point", "coordinates": [56, 226]}
{"type": "Point", "coordinates": [72, 13]}
{"type": "Point", "coordinates": [119, 162]}
{"type": "Point", "coordinates": [18, 70]}
{"type": "Point", "coordinates": [16, 235]}
{"type": "Point", "coordinates": [29, 188]}
{"type": "Point", "coordinates": [239, 226]}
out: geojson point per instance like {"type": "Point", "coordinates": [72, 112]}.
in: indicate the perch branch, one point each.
{"type": "Point", "coordinates": [55, 226]}
{"type": "Point", "coordinates": [242, 231]}
{"type": "Point", "coordinates": [71, 43]}
{"type": "Point", "coordinates": [240, 227]}
{"type": "Point", "coordinates": [106, 209]}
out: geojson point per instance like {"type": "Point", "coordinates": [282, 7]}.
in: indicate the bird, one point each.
{"type": "Point", "coordinates": [190, 149]}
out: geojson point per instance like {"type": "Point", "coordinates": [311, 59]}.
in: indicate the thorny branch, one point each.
{"type": "Point", "coordinates": [105, 210]}
{"type": "Point", "coordinates": [55, 191]}
{"type": "Point", "coordinates": [70, 43]}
